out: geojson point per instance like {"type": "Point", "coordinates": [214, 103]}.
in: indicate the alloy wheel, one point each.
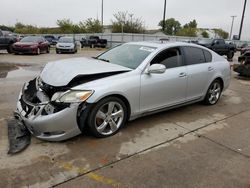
{"type": "Point", "coordinates": [109, 118]}
{"type": "Point", "coordinates": [214, 93]}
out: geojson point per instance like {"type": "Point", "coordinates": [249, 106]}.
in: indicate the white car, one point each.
{"type": "Point", "coordinates": [66, 45]}
{"type": "Point", "coordinates": [123, 83]}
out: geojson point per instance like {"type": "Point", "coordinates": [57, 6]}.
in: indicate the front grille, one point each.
{"type": "Point", "coordinates": [23, 50]}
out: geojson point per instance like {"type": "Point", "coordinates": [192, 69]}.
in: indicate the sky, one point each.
{"type": "Point", "coordinates": [208, 13]}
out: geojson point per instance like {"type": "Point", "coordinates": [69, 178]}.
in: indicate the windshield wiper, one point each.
{"type": "Point", "coordinates": [106, 60]}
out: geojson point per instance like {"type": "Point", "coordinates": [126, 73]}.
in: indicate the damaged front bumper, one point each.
{"type": "Point", "coordinates": [44, 120]}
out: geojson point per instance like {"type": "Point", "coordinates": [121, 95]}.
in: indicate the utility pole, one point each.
{"type": "Point", "coordinates": [242, 19]}
{"type": "Point", "coordinates": [230, 36]}
{"type": "Point", "coordinates": [102, 15]}
{"type": "Point", "coordinates": [164, 15]}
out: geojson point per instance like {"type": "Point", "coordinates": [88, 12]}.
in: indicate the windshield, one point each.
{"type": "Point", "coordinates": [66, 40]}
{"type": "Point", "coordinates": [127, 55]}
{"type": "Point", "coordinates": [30, 39]}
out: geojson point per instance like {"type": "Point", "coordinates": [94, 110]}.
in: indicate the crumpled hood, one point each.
{"type": "Point", "coordinates": [60, 73]}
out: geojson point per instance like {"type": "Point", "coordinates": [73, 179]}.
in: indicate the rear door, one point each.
{"type": "Point", "coordinates": [200, 70]}
{"type": "Point", "coordinates": [166, 89]}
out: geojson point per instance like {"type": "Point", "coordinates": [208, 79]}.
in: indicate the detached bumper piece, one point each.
{"type": "Point", "coordinates": [18, 135]}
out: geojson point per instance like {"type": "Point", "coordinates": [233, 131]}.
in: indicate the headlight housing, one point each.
{"type": "Point", "coordinates": [72, 96]}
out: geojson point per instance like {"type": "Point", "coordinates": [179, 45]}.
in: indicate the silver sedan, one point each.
{"type": "Point", "coordinates": [121, 84]}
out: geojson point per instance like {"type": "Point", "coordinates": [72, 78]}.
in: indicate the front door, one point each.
{"type": "Point", "coordinates": [165, 89]}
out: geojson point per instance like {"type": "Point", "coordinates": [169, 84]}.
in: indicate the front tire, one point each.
{"type": "Point", "coordinates": [230, 55]}
{"type": "Point", "coordinates": [213, 93]}
{"type": "Point", "coordinates": [107, 117]}
{"type": "Point", "coordinates": [38, 52]}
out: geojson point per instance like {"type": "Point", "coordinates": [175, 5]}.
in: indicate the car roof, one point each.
{"type": "Point", "coordinates": [160, 44]}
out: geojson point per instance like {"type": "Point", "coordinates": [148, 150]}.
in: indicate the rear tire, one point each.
{"type": "Point", "coordinates": [213, 93]}
{"type": "Point", "coordinates": [107, 117]}
{"type": "Point", "coordinates": [10, 49]}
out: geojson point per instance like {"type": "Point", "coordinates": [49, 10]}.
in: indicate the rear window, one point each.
{"type": "Point", "coordinates": [194, 55]}
{"type": "Point", "coordinates": [208, 56]}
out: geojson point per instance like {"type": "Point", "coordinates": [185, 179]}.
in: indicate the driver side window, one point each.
{"type": "Point", "coordinates": [170, 58]}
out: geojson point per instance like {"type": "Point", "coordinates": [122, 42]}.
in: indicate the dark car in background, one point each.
{"type": "Point", "coordinates": [31, 45]}
{"type": "Point", "coordinates": [51, 39]}
{"type": "Point", "coordinates": [6, 40]}
{"type": "Point", "coordinates": [243, 68]}
{"type": "Point", "coordinates": [93, 41]}
{"type": "Point", "coordinates": [245, 49]}
{"type": "Point", "coordinates": [66, 45]}
{"type": "Point", "coordinates": [219, 46]}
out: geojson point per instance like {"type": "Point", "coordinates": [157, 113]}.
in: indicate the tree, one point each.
{"type": "Point", "coordinates": [191, 24]}
{"type": "Point", "coordinates": [126, 23]}
{"type": "Point", "coordinates": [172, 26]}
{"type": "Point", "coordinates": [25, 29]}
{"type": "Point", "coordinates": [7, 28]}
{"type": "Point", "coordinates": [188, 32]}
{"type": "Point", "coordinates": [92, 26]}
{"type": "Point", "coordinates": [221, 33]}
{"type": "Point", "coordinates": [205, 34]}
{"type": "Point", "coordinates": [189, 29]}
{"type": "Point", "coordinates": [66, 25]}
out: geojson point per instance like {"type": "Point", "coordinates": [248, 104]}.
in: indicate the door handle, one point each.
{"type": "Point", "coordinates": [183, 74]}
{"type": "Point", "coordinates": [210, 68]}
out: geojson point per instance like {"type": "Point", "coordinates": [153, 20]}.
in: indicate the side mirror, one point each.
{"type": "Point", "coordinates": [156, 69]}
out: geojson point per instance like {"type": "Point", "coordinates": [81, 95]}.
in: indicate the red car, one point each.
{"type": "Point", "coordinates": [31, 45]}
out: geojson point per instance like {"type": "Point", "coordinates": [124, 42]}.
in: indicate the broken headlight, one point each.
{"type": "Point", "coordinates": [71, 96]}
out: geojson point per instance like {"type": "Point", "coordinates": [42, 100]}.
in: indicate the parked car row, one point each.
{"type": "Point", "coordinates": [36, 44]}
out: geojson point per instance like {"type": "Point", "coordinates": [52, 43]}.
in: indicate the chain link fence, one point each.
{"type": "Point", "coordinates": [118, 38]}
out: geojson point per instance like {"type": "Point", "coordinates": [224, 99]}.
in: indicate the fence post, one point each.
{"type": "Point", "coordinates": [111, 40]}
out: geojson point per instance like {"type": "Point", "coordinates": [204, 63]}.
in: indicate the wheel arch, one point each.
{"type": "Point", "coordinates": [220, 80]}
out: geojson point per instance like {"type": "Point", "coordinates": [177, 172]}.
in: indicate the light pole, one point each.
{"type": "Point", "coordinates": [164, 15]}
{"type": "Point", "coordinates": [242, 19]}
{"type": "Point", "coordinates": [102, 15]}
{"type": "Point", "coordinates": [232, 27]}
